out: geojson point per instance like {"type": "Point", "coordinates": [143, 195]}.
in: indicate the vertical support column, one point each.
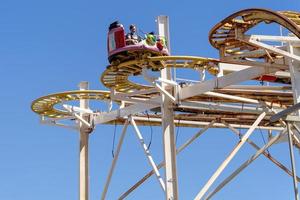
{"type": "Point", "coordinates": [292, 160]}
{"type": "Point", "coordinates": [114, 162]}
{"type": "Point", "coordinates": [168, 121]}
{"type": "Point", "coordinates": [83, 151]}
{"type": "Point", "coordinates": [294, 67]}
{"type": "Point", "coordinates": [295, 74]}
{"type": "Point", "coordinates": [202, 74]}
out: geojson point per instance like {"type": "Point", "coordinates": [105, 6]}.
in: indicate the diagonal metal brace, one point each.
{"type": "Point", "coordinates": [77, 116]}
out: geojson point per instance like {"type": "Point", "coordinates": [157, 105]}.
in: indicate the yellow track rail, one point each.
{"type": "Point", "coordinates": [117, 76]}
{"type": "Point", "coordinates": [45, 105]}
{"type": "Point", "coordinates": [223, 34]}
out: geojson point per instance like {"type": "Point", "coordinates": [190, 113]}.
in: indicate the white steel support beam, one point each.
{"type": "Point", "coordinates": [295, 74]}
{"type": "Point", "coordinates": [140, 92]}
{"type": "Point", "coordinates": [153, 80]}
{"type": "Point", "coordinates": [132, 100]}
{"type": "Point", "coordinates": [162, 164]}
{"type": "Point", "coordinates": [223, 81]}
{"type": "Point", "coordinates": [245, 164]}
{"type": "Point", "coordinates": [222, 107]}
{"type": "Point", "coordinates": [297, 129]}
{"type": "Point", "coordinates": [79, 117]}
{"type": "Point", "coordinates": [168, 121]}
{"type": "Point", "coordinates": [114, 162]}
{"type": "Point", "coordinates": [83, 152]}
{"type": "Point", "coordinates": [292, 160]}
{"type": "Point", "coordinates": [202, 74]}
{"type": "Point", "coordinates": [253, 63]}
{"type": "Point", "coordinates": [266, 154]}
{"type": "Point", "coordinates": [230, 157]}
{"type": "Point", "coordinates": [77, 109]}
{"type": "Point", "coordinates": [55, 123]}
{"type": "Point", "coordinates": [232, 97]}
{"type": "Point", "coordinates": [165, 93]}
{"type": "Point", "coordinates": [271, 48]}
{"type": "Point", "coordinates": [191, 123]}
{"type": "Point", "coordinates": [148, 154]}
{"type": "Point", "coordinates": [169, 82]}
{"type": "Point", "coordinates": [294, 65]}
{"type": "Point", "coordinates": [272, 38]}
{"type": "Point", "coordinates": [123, 112]}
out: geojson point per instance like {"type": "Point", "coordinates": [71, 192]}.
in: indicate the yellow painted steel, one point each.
{"type": "Point", "coordinates": [45, 105]}
{"type": "Point", "coordinates": [117, 76]}
{"type": "Point", "coordinates": [223, 35]}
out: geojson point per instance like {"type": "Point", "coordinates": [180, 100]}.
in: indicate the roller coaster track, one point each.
{"type": "Point", "coordinates": [224, 35]}
{"type": "Point", "coordinates": [46, 105]}
{"type": "Point", "coordinates": [117, 76]}
{"type": "Point", "coordinates": [51, 105]}
{"type": "Point", "coordinates": [234, 105]}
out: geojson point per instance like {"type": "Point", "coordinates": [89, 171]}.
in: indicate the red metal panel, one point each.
{"type": "Point", "coordinates": [120, 37]}
{"type": "Point", "coordinates": [115, 39]}
{"type": "Point", "coordinates": [268, 78]}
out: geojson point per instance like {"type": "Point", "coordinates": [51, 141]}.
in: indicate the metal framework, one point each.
{"type": "Point", "coordinates": [219, 102]}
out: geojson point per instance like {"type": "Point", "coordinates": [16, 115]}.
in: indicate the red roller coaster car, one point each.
{"type": "Point", "coordinates": [120, 50]}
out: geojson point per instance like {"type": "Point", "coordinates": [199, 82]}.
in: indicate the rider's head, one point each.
{"type": "Point", "coordinates": [132, 28]}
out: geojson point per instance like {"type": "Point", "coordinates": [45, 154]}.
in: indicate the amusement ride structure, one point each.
{"type": "Point", "coordinates": [219, 100]}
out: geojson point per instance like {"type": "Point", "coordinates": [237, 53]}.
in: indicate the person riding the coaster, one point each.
{"type": "Point", "coordinates": [152, 39]}
{"type": "Point", "coordinates": [132, 37]}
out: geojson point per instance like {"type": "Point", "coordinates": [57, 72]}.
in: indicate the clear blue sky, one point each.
{"type": "Point", "coordinates": [50, 46]}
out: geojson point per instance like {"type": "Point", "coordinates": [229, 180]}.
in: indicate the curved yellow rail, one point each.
{"type": "Point", "coordinates": [223, 34]}
{"type": "Point", "coordinates": [117, 76]}
{"type": "Point", "coordinates": [45, 105]}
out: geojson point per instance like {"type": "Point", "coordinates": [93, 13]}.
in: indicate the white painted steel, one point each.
{"type": "Point", "coordinates": [124, 98]}
{"type": "Point", "coordinates": [285, 114]}
{"type": "Point", "coordinates": [296, 133]}
{"type": "Point", "coordinates": [202, 124]}
{"type": "Point", "coordinates": [162, 164]}
{"type": "Point", "coordinates": [295, 74]}
{"type": "Point", "coordinates": [232, 97]}
{"type": "Point", "coordinates": [126, 111]}
{"type": "Point", "coordinates": [54, 123]}
{"type": "Point", "coordinates": [166, 93]}
{"type": "Point", "coordinates": [69, 109]}
{"type": "Point", "coordinates": [230, 157]}
{"type": "Point", "coordinates": [83, 152]}
{"type": "Point", "coordinates": [140, 92]}
{"type": "Point", "coordinates": [292, 161]}
{"type": "Point", "coordinates": [272, 38]}
{"type": "Point", "coordinates": [273, 49]}
{"type": "Point", "coordinates": [199, 105]}
{"type": "Point", "coordinates": [147, 153]}
{"type": "Point", "coordinates": [77, 109]}
{"type": "Point", "coordinates": [266, 154]}
{"type": "Point", "coordinates": [245, 164]}
{"type": "Point", "coordinates": [169, 82]}
{"type": "Point", "coordinates": [115, 159]}
{"type": "Point", "coordinates": [223, 81]}
{"type": "Point", "coordinates": [168, 121]}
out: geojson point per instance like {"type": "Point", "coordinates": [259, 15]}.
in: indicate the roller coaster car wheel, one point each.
{"type": "Point", "coordinates": [112, 68]}
{"type": "Point", "coordinates": [146, 55]}
{"type": "Point", "coordinates": [122, 56]}
{"type": "Point", "coordinates": [115, 62]}
{"type": "Point", "coordinates": [155, 69]}
{"type": "Point", "coordinates": [136, 73]}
